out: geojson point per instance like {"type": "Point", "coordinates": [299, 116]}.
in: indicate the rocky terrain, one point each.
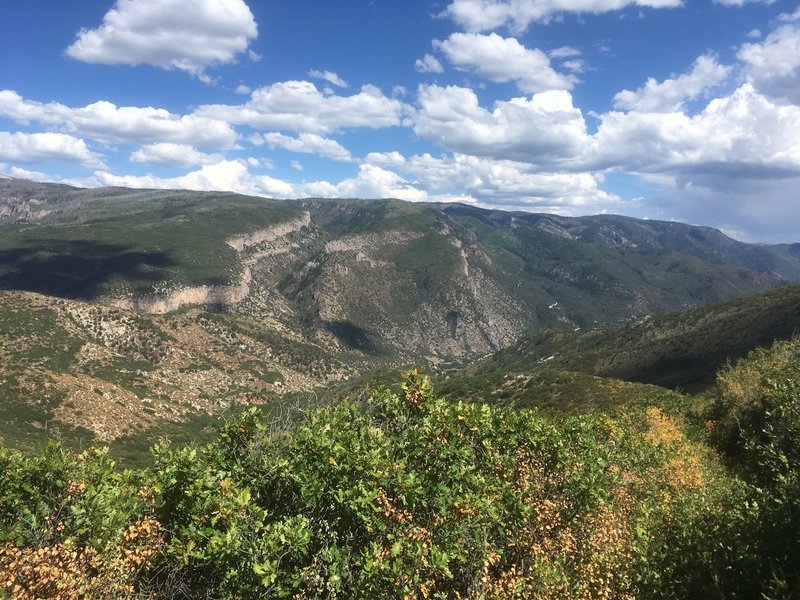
{"type": "Point", "coordinates": [110, 373]}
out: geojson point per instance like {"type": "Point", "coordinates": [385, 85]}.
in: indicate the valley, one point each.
{"type": "Point", "coordinates": [130, 315]}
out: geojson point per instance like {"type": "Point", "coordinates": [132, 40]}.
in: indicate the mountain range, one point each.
{"type": "Point", "coordinates": [123, 311]}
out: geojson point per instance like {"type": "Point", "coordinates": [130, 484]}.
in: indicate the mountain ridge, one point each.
{"type": "Point", "coordinates": [387, 279]}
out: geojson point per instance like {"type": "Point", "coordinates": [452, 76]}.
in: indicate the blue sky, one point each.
{"type": "Point", "coordinates": [651, 108]}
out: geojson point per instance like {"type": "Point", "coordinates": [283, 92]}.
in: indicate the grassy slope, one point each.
{"type": "Point", "coordinates": [671, 350]}
{"type": "Point", "coordinates": [601, 272]}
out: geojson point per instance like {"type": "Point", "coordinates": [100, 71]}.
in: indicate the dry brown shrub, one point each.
{"type": "Point", "coordinates": [68, 573]}
{"type": "Point", "coordinates": [661, 428]}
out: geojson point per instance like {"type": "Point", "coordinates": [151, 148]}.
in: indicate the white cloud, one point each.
{"type": "Point", "coordinates": [173, 155]}
{"type": "Point", "coordinates": [168, 34]}
{"type": "Point", "coordinates": [386, 159]}
{"type": "Point", "coordinates": [564, 52]}
{"type": "Point", "coordinates": [226, 175]}
{"type": "Point", "coordinates": [374, 181]}
{"type": "Point", "coordinates": [105, 121]}
{"type": "Point", "coordinates": [39, 148]}
{"type": "Point", "coordinates": [428, 64]}
{"type": "Point", "coordinates": [330, 77]}
{"type": "Point", "coordinates": [517, 15]}
{"type": "Point", "coordinates": [790, 17]}
{"type": "Point", "coordinates": [670, 94]}
{"type": "Point", "coordinates": [300, 106]}
{"type": "Point", "coordinates": [371, 182]}
{"type": "Point", "coordinates": [576, 66]}
{"type": "Point", "coordinates": [296, 165]}
{"type": "Point", "coordinates": [309, 143]}
{"type": "Point", "coordinates": [502, 59]}
{"type": "Point", "coordinates": [773, 66]}
{"type": "Point", "coordinates": [742, 2]}
{"type": "Point", "coordinates": [242, 89]}
{"type": "Point", "coordinates": [26, 174]}
{"type": "Point", "coordinates": [546, 129]}
{"type": "Point", "coordinates": [501, 183]}
{"type": "Point", "coordinates": [738, 136]}
{"type": "Point", "coordinates": [744, 135]}
{"type": "Point", "coordinates": [260, 162]}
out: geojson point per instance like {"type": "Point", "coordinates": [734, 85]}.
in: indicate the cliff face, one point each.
{"type": "Point", "coordinates": [220, 295]}
{"type": "Point", "coordinates": [270, 234]}
{"type": "Point", "coordinates": [198, 295]}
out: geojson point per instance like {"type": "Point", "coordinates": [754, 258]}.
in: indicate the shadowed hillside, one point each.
{"type": "Point", "coordinates": [565, 370]}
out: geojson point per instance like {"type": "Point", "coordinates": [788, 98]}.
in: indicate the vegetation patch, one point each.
{"type": "Point", "coordinates": [406, 495]}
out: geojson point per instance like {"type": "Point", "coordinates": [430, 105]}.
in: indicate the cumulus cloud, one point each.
{"type": "Point", "coordinates": [428, 64]}
{"type": "Point", "coordinates": [670, 94]}
{"type": "Point", "coordinates": [105, 121]}
{"type": "Point", "coordinates": [517, 15]}
{"type": "Point", "coordinates": [38, 148]}
{"type": "Point", "coordinates": [300, 106]}
{"type": "Point", "coordinates": [226, 175]}
{"type": "Point", "coordinates": [163, 33]}
{"type": "Point", "coordinates": [329, 76]}
{"type": "Point", "coordinates": [173, 155]}
{"type": "Point", "coordinates": [501, 183]}
{"type": "Point", "coordinates": [545, 129]}
{"type": "Point", "coordinates": [309, 143]}
{"type": "Point", "coordinates": [374, 181]}
{"type": "Point", "coordinates": [27, 174]}
{"type": "Point", "coordinates": [371, 182]}
{"type": "Point", "coordinates": [744, 134]}
{"type": "Point", "coordinates": [502, 59]}
{"type": "Point", "coordinates": [773, 65]}
{"type": "Point", "coordinates": [739, 136]}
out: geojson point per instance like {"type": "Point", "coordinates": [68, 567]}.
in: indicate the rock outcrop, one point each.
{"type": "Point", "coordinates": [224, 295]}
{"type": "Point", "coordinates": [270, 234]}
{"type": "Point", "coordinates": [195, 295]}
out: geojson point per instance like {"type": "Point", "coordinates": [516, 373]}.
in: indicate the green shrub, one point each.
{"type": "Point", "coordinates": [755, 422]}
{"type": "Point", "coordinates": [405, 495]}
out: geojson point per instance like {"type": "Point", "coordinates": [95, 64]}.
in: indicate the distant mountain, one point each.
{"type": "Point", "coordinates": [390, 281]}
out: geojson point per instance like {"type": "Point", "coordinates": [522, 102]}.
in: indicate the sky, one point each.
{"type": "Point", "coordinates": [662, 109]}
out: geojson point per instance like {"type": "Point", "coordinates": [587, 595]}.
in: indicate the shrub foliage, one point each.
{"type": "Point", "coordinates": [408, 495]}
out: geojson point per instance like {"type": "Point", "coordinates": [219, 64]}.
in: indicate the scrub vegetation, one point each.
{"type": "Point", "coordinates": [407, 495]}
